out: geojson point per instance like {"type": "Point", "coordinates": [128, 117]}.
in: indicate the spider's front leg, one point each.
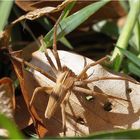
{"type": "Point", "coordinates": [42, 42]}
{"type": "Point", "coordinates": [80, 82]}
{"type": "Point", "coordinates": [55, 53]}
{"type": "Point", "coordinates": [91, 65]}
{"type": "Point", "coordinates": [34, 67]}
{"type": "Point", "coordinates": [47, 90]}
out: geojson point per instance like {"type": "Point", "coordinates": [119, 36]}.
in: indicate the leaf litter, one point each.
{"type": "Point", "coordinates": [83, 116]}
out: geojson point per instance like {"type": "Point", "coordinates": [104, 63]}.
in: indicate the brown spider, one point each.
{"type": "Point", "coordinates": [66, 82]}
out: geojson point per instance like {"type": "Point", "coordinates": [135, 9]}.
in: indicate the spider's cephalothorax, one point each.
{"type": "Point", "coordinates": [64, 84]}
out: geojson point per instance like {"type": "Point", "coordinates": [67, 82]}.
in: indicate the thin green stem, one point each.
{"type": "Point", "coordinates": [126, 33]}
{"type": "Point", "coordinates": [137, 35]}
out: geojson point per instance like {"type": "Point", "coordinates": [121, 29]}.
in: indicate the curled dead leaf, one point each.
{"type": "Point", "coordinates": [32, 15]}
{"type": "Point", "coordinates": [113, 10]}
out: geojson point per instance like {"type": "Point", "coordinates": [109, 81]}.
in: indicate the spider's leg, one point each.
{"type": "Point", "coordinates": [63, 118]}
{"type": "Point", "coordinates": [63, 107]}
{"type": "Point", "coordinates": [91, 65]}
{"type": "Point", "coordinates": [39, 90]}
{"type": "Point", "coordinates": [94, 93]}
{"type": "Point", "coordinates": [34, 67]}
{"type": "Point", "coordinates": [83, 90]}
{"type": "Point", "coordinates": [50, 62]}
{"type": "Point", "coordinates": [78, 83]}
{"type": "Point", "coordinates": [55, 52]}
{"type": "Point", "coordinates": [88, 91]}
{"type": "Point", "coordinates": [47, 55]}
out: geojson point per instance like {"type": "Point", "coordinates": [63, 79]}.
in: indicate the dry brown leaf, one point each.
{"type": "Point", "coordinates": [4, 37]}
{"type": "Point", "coordinates": [32, 15]}
{"type": "Point", "coordinates": [113, 10]}
{"type": "Point", "coordinates": [37, 13]}
{"type": "Point", "coordinates": [22, 116]}
{"type": "Point", "coordinates": [83, 116]}
{"type": "Point", "coordinates": [40, 129]}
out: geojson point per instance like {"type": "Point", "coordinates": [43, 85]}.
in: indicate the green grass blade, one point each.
{"type": "Point", "coordinates": [130, 56]}
{"type": "Point", "coordinates": [132, 68]}
{"type": "Point", "coordinates": [137, 35]}
{"type": "Point", "coordinates": [11, 127]}
{"type": "Point", "coordinates": [126, 134]}
{"type": "Point", "coordinates": [47, 26]}
{"type": "Point", "coordinates": [124, 4]}
{"type": "Point", "coordinates": [68, 9]}
{"type": "Point", "coordinates": [113, 135]}
{"type": "Point", "coordinates": [45, 22]}
{"type": "Point", "coordinates": [64, 41]}
{"type": "Point", "coordinates": [73, 21]}
{"type": "Point", "coordinates": [5, 8]}
{"type": "Point", "coordinates": [107, 27]}
{"type": "Point", "coordinates": [135, 39]}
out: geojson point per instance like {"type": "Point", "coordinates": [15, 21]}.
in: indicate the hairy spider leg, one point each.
{"type": "Point", "coordinates": [89, 66]}
{"type": "Point", "coordinates": [50, 62]}
{"type": "Point", "coordinates": [63, 111]}
{"type": "Point", "coordinates": [34, 67]}
{"type": "Point", "coordinates": [47, 55]}
{"type": "Point", "coordinates": [78, 83]}
{"type": "Point", "coordinates": [55, 52]}
{"type": "Point", "coordinates": [46, 89]}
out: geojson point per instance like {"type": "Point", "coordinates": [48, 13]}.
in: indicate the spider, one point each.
{"type": "Point", "coordinates": [66, 81]}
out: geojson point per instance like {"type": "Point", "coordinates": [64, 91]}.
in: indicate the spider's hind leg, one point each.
{"type": "Point", "coordinates": [63, 111]}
